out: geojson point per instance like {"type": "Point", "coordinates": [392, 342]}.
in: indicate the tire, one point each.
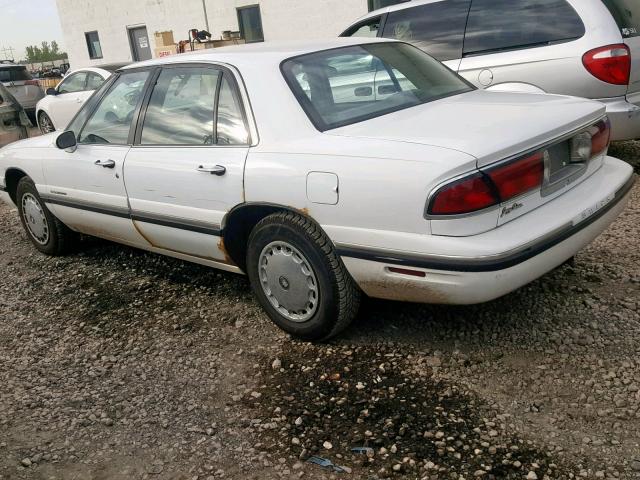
{"type": "Point", "coordinates": [289, 254]}
{"type": "Point", "coordinates": [45, 123]}
{"type": "Point", "coordinates": [46, 232]}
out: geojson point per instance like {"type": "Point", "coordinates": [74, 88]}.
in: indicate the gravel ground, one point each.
{"type": "Point", "coordinates": [118, 364]}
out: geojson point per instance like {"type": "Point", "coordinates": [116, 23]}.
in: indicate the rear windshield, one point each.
{"type": "Point", "coordinates": [351, 84]}
{"type": "Point", "coordinates": [14, 74]}
{"type": "Point", "coordinates": [627, 15]}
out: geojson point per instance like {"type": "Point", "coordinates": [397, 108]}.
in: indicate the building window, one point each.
{"type": "Point", "coordinates": [376, 4]}
{"type": "Point", "coordinates": [93, 45]}
{"type": "Point", "coordinates": [250, 23]}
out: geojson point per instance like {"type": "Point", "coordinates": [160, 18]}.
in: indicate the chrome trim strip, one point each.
{"type": "Point", "coordinates": [489, 263]}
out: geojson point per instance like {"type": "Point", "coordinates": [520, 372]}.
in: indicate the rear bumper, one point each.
{"type": "Point", "coordinates": [625, 118]}
{"type": "Point", "coordinates": [460, 279]}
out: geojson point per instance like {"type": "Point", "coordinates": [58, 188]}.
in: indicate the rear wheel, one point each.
{"type": "Point", "coordinates": [46, 232]}
{"type": "Point", "coordinates": [298, 278]}
{"type": "Point", "coordinates": [45, 123]}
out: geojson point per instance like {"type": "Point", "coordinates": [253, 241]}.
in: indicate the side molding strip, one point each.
{"type": "Point", "coordinates": [165, 221]}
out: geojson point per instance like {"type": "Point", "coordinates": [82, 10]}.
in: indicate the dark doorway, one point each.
{"type": "Point", "coordinates": [140, 46]}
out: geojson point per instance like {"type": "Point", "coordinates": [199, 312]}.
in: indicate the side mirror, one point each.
{"type": "Point", "coordinates": [52, 91]}
{"type": "Point", "coordinates": [66, 140]}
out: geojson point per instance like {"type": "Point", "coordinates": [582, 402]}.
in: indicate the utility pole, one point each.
{"type": "Point", "coordinates": [206, 17]}
{"type": "Point", "coordinates": [6, 55]}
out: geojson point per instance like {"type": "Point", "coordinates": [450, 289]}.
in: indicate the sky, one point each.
{"type": "Point", "coordinates": [28, 22]}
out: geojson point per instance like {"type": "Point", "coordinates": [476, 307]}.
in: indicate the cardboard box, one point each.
{"type": "Point", "coordinates": [164, 39]}
{"type": "Point", "coordinates": [165, 51]}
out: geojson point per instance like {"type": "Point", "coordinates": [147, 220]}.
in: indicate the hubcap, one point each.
{"type": "Point", "coordinates": [35, 219]}
{"type": "Point", "coordinates": [288, 281]}
{"type": "Point", "coordinates": [45, 124]}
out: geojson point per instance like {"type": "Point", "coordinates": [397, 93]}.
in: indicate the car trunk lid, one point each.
{"type": "Point", "coordinates": [490, 126]}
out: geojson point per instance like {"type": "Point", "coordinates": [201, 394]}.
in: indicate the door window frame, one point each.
{"type": "Point", "coordinates": [357, 26]}
{"type": "Point", "coordinates": [96, 100]}
{"type": "Point", "coordinates": [135, 141]}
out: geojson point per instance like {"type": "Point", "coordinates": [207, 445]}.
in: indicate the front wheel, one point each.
{"type": "Point", "coordinates": [45, 123]}
{"type": "Point", "coordinates": [299, 279]}
{"type": "Point", "coordinates": [46, 232]}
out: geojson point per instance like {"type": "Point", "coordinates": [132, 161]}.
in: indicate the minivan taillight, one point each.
{"type": "Point", "coordinates": [611, 64]}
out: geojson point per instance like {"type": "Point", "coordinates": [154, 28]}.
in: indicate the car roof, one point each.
{"type": "Point", "coordinates": [258, 53]}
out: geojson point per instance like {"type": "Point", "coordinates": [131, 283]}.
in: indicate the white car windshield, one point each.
{"type": "Point", "coordinates": [351, 84]}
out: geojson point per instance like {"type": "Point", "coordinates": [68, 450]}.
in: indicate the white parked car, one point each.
{"type": "Point", "coordinates": [279, 162]}
{"type": "Point", "coordinates": [59, 106]}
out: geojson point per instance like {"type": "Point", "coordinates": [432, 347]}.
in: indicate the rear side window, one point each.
{"type": "Point", "coordinates": [627, 15]}
{"type": "Point", "coordinates": [497, 25]}
{"type": "Point", "coordinates": [437, 28]}
{"type": "Point", "coordinates": [14, 74]}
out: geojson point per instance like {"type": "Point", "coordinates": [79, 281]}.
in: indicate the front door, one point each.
{"type": "Point", "coordinates": [85, 188]}
{"type": "Point", "coordinates": [140, 46]}
{"type": "Point", "coordinates": [186, 170]}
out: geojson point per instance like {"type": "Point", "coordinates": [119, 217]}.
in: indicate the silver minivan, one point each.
{"type": "Point", "coordinates": [585, 48]}
{"type": "Point", "coordinates": [20, 83]}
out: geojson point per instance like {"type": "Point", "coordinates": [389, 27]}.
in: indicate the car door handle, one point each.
{"type": "Point", "coordinates": [218, 170]}
{"type": "Point", "coordinates": [105, 163]}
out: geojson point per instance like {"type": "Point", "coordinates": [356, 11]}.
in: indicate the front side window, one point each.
{"type": "Point", "coordinates": [111, 121]}
{"type": "Point", "coordinates": [367, 30]}
{"type": "Point", "coordinates": [94, 81]}
{"type": "Point", "coordinates": [352, 84]}
{"type": "Point", "coordinates": [75, 83]}
{"type": "Point", "coordinates": [250, 23]}
{"type": "Point", "coordinates": [626, 13]}
{"type": "Point", "coordinates": [93, 45]}
{"type": "Point", "coordinates": [181, 108]}
{"type": "Point", "coordinates": [437, 28]}
{"type": "Point", "coordinates": [498, 25]}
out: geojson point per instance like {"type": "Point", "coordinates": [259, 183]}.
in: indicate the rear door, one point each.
{"type": "Point", "coordinates": [436, 27]}
{"type": "Point", "coordinates": [186, 169]}
{"type": "Point", "coordinates": [523, 41]}
{"type": "Point", "coordinates": [627, 15]}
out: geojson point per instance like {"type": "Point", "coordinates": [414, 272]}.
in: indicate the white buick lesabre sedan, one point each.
{"type": "Point", "coordinates": [323, 170]}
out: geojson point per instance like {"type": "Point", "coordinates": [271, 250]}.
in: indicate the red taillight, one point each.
{"type": "Point", "coordinates": [611, 64]}
{"type": "Point", "coordinates": [464, 196]}
{"type": "Point", "coordinates": [490, 187]}
{"type": "Point", "coordinates": [516, 178]}
{"type": "Point", "coordinates": [601, 136]}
